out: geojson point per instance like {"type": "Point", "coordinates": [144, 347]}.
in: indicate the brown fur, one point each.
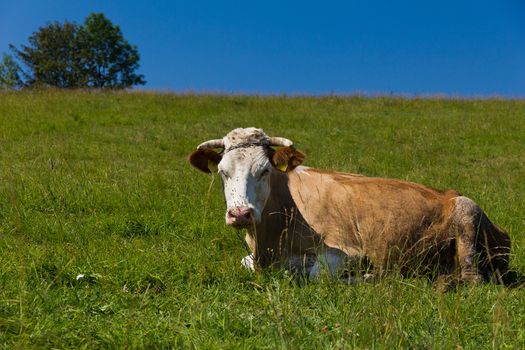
{"type": "Point", "coordinates": [287, 156]}
{"type": "Point", "coordinates": [394, 224]}
{"type": "Point", "coordinates": [200, 159]}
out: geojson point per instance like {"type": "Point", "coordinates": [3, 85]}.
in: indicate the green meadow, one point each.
{"type": "Point", "coordinates": [97, 184]}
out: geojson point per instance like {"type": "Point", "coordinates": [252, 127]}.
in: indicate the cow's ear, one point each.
{"type": "Point", "coordinates": [205, 160]}
{"type": "Point", "coordinates": [287, 158]}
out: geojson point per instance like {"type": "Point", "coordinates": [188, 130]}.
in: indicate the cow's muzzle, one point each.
{"type": "Point", "coordinates": [239, 217]}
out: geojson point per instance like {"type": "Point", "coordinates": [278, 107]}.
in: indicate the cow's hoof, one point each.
{"type": "Point", "coordinates": [445, 283]}
{"type": "Point", "coordinates": [471, 278]}
{"type": "Point", "coordinates": [248, 263]}
{"type": "Point", "coordinates": [368, 277]}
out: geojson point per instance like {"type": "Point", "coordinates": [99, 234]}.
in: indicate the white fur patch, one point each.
{"type": "Point", "coordinates": [465, 210]}
{"type": "Point", "coordinates": [330, 263]}
{"type": "Point", "coordinates": [302, 170]}
{"type": "Point", "coordinates": [248, 263]}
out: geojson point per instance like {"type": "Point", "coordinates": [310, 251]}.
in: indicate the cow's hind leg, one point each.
{"type": "Point", "coordinates": [494, 246]}
{"type": "Point", "coordinates": [466, 217]}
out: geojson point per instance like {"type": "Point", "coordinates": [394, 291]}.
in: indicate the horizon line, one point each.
{"type": "Point", "coordinates": [217, 92]}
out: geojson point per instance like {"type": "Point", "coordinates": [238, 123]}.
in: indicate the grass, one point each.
{"type": "Point", "coordinates": [98, 184]}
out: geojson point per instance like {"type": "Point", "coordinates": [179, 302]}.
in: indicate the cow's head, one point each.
{"type": "Point", "coordinates": [245, 161]}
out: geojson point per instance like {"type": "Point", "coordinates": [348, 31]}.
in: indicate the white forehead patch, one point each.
{"type": "Point", "coordinates": [245, 159]}
{"type": "Point", "coordinates": [242, 136]}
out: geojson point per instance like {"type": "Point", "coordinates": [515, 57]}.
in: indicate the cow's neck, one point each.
{"type": "Point", "coordinates": [283, 231]}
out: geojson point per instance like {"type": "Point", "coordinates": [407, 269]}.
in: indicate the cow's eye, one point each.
{"type": "Point", "coordinates": [223, 173]}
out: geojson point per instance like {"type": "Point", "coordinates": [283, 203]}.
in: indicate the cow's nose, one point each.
{"type": "Point", "coordinates": [239, 216]}
{"type": "Point", "coordinates": [240, 212]}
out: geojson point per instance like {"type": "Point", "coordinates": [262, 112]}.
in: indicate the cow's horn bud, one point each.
{"type": "Point", "coordinates": [218, 143]}
{"type": "Point", "coordinates": [280, 141]}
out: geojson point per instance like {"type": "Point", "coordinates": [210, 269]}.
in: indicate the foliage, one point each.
{"type": "Point", "coordinates": [93, 55]}
{"type": "Point", "coordinates": [98, 184]}
{"type": "Point", "coordinates": [9, 73]}
{"type": "Point", "coordinates": [52, 56]}
{"type": "Point", "coordinates": [108, 59]}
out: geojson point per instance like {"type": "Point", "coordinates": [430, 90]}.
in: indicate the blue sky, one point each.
{"type": "Point", "coordinates": [456, 48]}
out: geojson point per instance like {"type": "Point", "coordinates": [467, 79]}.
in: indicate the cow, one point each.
{"type": "Point", "coordinates": [313, 221]}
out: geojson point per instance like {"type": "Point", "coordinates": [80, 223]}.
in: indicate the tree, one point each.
{"type": "Point", "coordinates": [52, 56]}
{"type": "Point", "coordinates": [109, 60]}
{"type": "Point", "coordinates": [9, 73]}
{"type": "Point", "coordinates": [69, 55]}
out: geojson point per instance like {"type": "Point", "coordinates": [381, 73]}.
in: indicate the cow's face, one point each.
{"type": "Point", "coordinates": [245, 166]}
{"type": "Point", "coordinates": [245, 174]}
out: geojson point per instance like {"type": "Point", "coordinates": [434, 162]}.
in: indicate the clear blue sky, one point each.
{"type": "Point", "coordinates": [457, 48]}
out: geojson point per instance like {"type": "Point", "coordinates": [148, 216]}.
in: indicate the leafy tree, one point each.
{"type": "Point", "coordinates": [52, 56]}
{"type": "Point", "coordinates": [9, 73]}
{"type": "Point", "coordinates": [109, 60]}
{"type": "Point", "coordinates": [68, 55]}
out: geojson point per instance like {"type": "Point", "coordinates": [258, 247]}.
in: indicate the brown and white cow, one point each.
{"type": "Point", "coordinates": [311, 220]}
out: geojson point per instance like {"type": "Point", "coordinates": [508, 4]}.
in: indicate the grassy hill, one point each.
{"type": "Point", "coordinates": [97, 184]}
